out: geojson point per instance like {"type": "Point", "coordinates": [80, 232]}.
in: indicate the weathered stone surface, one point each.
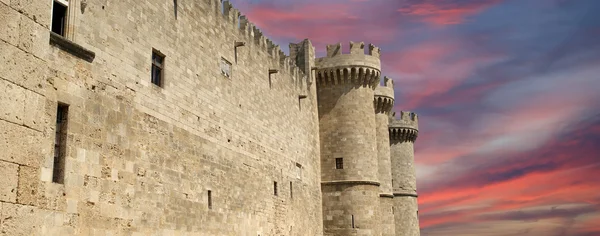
{"type": "Point", "coordinates": [20, 144]}
{"type": "Point", "coordinates": [9, 20]}
{"type": "Point", "coordinates": [39, 11]}
{"type": "Point", "coordinates": [18, 220]}
{"type": "Point", "coordinates": [140, 159]}
{"type": "Point", "coordinates": [22, 68]}
{"type": "Point", "coordinates": [28, 190]}
{"type": "Point", "coordinates": [33, 37]}
{"type": "Point", "coordinates": [8, 186]}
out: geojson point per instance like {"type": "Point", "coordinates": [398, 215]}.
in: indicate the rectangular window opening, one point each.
{"type": "Point", "coordinates": [275, 188]}
{"type": "Point", "coordinates": [339, 163]}
{"type": "Point", "coordinates": [60, 141]}
{"type": "Point", "coordinates": [291, 190]}
{"type": "Point", "coordinates": [353, 221]}
{"type": "Point", "coordinates": [158, 65]}
{"type": "Point", "coordinates": [59, 17]}
{"type": "Point", "coordinates": [209, 199]}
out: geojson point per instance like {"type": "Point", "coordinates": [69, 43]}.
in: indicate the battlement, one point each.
{"type": "Point", "coordinates": [357, 56]}
{"type": "Point", "coordinates": [250, 33]}
{"type": "Point", "coordinates": [356, 67]}
{"type": "Point", "coordinates": [384, 97]}
{"type": "Point", "coordinates": [405, 128]}
{"type": "Point", "coordinates": [387, 90]}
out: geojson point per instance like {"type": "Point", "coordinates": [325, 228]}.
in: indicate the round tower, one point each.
{"type": "Point", "coordinates": [403, 133]}
{"type": "Point", "coordinates": [349, 165]}
{"type": "Point", "coordinates": [383, 102]}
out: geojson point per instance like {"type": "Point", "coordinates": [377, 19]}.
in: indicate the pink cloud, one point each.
{"type": "Point", "coordinates": [445, 14]}
{"type": "Point", "coordinates": [342, 21]}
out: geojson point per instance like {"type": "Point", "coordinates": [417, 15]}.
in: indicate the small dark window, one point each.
{"type": "Point", "coordinates": [275, 188]}
{"type": "Point", "coordinates": [291, 190]}
{"type": "Point", "coordinates": [158, 61]}
{"type": "Point", "coordinates": [209, 199]}
{"type": "Point", "coordinates": [58, 169]}
{"type": "Point", "coordinates": [353, 221]}
{"type": "Point", "coordinates": [175, 8]}
{"type": "Point", "coordinates": [59, 18]}
{"type": "Point", "coordinates": [339, 163]}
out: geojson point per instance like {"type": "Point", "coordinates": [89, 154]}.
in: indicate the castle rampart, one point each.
{"type": "Point", "coordinates": [232, 140]}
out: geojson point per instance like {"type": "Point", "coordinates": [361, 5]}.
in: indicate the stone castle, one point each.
{"type": "Point", "coordinates": [123, 117]}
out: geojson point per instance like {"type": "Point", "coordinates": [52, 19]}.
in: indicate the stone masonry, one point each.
{"type": "Point", "coordinates": [237, 139]}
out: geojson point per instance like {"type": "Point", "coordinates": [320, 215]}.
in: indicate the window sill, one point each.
{"type": "Point", "coordinates": [71, 47]}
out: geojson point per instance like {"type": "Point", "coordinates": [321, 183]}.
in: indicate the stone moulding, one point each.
{"type": "Point", "coordinates": [386, 195]}
{"type": "Point", "coordinates": [71, 47]}
{"type": "Point", "coordinates": [406, 195]}
{"type": "Point", "coordinates": [349, 182]}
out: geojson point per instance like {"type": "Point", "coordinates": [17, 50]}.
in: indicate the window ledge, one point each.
{"type": "Point", "coordinates": [71, 47]}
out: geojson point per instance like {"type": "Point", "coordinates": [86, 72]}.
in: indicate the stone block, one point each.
{"type": "Point", "coordinates": [20, 144]}
{"type": "Point", "coordinates": [22, 68]}
{"type": "Point", "coordinates": [34, 115]}
{"type": "Point", "coordinates": [29, 184]}
{"type": "Point", "coordinates": [18, 220]}
{"type": "Point", "coordinates": [33, 37]}
{"type": "Point", "coordinates": [9, 19]}
{"type": "Point", "coordinates": [12, 101]}
{"type": "Point", "coordinates": [38, 11]}
{"type": "Point", "coordinates": [8, 185]}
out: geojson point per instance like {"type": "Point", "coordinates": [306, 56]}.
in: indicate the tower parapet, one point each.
{"type": "Point", "coordinates": [384, 97]}
{"type": "Point", "coordinates": [354, 68]}
{"type": "Point", "coordinates": [406, 128]}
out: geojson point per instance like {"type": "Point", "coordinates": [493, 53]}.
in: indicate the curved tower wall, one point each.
{"type": "Point", "coordinates": [403, 133]}
{"type": "Point", "coordinates": [345, 88]}
{"type": "Point", "coordinates": [383, 102]}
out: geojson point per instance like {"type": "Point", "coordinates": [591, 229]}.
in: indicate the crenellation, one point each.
{"type": "Point", "coordinates": [245, 27]}
{"type": "Point", "coordinates": [357, 48]}
{"type": "Point", "coordinates": [334, 50]}
{"type": "Point", "coordinates": [374, 51]}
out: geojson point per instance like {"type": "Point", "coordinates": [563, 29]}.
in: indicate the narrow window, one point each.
{"type": "Point", "coordinates": [58, 172]}
{"type": "Point", "coordinates": [353, 221]}
{"type": "Point", "coordinates": [291, 190]}
{"type": "Point", "coordinates": [209, 199]}
{"type": "Point", "coordinates": [175, 8]}
{"type": "Point", "coordinates": [158, 61]}
{"type": "Point", "coordinates": [275, 188]}
{"type": "Point", "coordinates": [59, 16]}
{"type": "Point", "coordinates": [339, 163]}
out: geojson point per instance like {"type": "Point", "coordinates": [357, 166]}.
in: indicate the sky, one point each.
{"type": "Point", "coordinates": [508, 98]}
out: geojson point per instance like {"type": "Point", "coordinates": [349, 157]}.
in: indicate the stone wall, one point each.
{"type": "Point", "coordinates": [140, 159]}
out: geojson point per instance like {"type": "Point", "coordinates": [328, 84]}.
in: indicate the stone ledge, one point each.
{"type": "Point", "coordinates": [386, 195]}
{"type": "Point", "coordinates": [71, 47]}
{"type": "Point", "coordinates": [352, 182]}
{"type": "Point", "coordinates": [406, 195]}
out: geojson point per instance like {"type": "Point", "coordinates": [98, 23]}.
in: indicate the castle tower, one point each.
{"type": "Point", "coordinates": [349, 165]}
{"type": "Point", "coordinates": [403, 133]}
{"type": "Point", "coordinates": [383, 102]}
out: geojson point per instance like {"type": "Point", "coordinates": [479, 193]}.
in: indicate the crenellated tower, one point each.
{"type": "Point", "coordinates": [403, 133]}
{"type": "Point", "coordinates": [383, 103]}
{"type": "Point", "coordinates": [349, 164]}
